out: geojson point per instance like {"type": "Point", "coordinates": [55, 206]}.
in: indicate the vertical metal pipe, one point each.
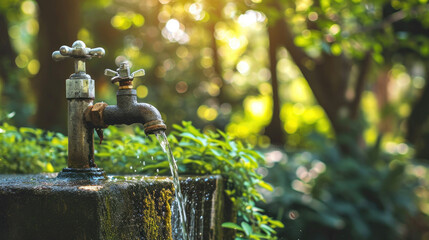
{"type": "Point", "coordinates": [80, 95]}
{"type": "Point", "coordinates": [81, 137]}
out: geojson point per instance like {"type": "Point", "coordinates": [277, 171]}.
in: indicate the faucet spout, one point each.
{"type": "Point", "coordinates": [127, 111]}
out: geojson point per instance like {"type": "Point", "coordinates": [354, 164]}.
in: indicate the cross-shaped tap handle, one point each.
{"type": "Point", "coordinates": [123, 73]}
{"type": "Point", "coordinates": [80, 53]}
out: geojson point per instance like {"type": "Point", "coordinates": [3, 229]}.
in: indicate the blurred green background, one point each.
{"type": "Point", "coordinates": [332, 91]}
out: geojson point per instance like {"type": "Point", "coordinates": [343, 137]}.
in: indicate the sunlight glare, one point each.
{"type": "Point", "coordinates": [174, 31]}
{"type": "Point", "coordinates": [234, 43]}
{"type": "Point", "coordinates": [172, 25]}
{"type": "Point", "coordinates": [256, 107]}
{"type": "Point", "coordinates": [250, 18]}
{"type": "Point", "coordinates": [243, 67]}
{"type": "Point", "coordinates": [196, 9]}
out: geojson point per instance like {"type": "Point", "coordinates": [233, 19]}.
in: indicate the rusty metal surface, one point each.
{"type": "Point", "coordinates": [80, 88]}
{"type": "Point", "coordinates": [94, 115]}
{"type": "Point", "coordinates": [81, 136]}
{"type": "Point", "coordinates": [129, 111]}
{"type": "Point", "coordinates": [83, 173]}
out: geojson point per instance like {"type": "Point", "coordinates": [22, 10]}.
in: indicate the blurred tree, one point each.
{"type": "Point", "coordinates": [329, 73]}
{"type": "Point", "coordinates": [275, 129]}
{"type": "Point", "coordinates": [13, 95]}
{"type": "Point", "coordinates": [413, 46]}
{"type": "Point", "coordinates": [333, 43]}
{"type": "Point", "coordinates": [59, 23]}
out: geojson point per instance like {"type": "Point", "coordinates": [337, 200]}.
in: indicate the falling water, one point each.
{"type": "Point", "coordinates": [162, 139]}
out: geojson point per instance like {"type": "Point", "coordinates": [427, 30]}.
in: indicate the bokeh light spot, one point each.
{"type": "Point", "coordinates": [14, 32]}
{"type": "Point", "coordinates": [181, 87]}
{"type": "Point", "coordinates": [121, 21]}
{"type": "Point", "coordinates": [28, 7]}
{"type": "Point", "coordinates": [172, 25]}
{"type": "Point", "coordinates": [234, 43]}
{"type": "Point", "coordinates": [21, 60]}
{"type": "Point", "coordinates": [138, 20]}
{"type": "Point", "coordinates": [206, 62]}
{"type": "Point", "coordinates": [32, 26]}
{"type": "Point", "coordinates": [207, 113]}
{"type": "Point", "coordinates": [313, 16]}
{"type": "Point", "coordinates": [33, 67]}
{"type": "Point", "coordinates": [243, 67]}
{"type": "Point", "coordinates": [334, 29]}
{"type": "Point", "coordinates": [142, 91]}
{"type": "Point", "coordinates": [336, 49]}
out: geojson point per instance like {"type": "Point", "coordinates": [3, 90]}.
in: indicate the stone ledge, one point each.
{"type": "Point", "coordinates": [130, 207]}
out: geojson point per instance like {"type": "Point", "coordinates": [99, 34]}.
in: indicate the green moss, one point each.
{"type": "Point", "coordinates": [109, 234]}
{"type": "Point", "coordinates": [156, 213]}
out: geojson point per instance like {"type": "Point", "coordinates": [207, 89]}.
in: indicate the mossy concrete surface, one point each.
{"type": "Point", "coordinates": [130, 207]}
{"type": "Point", "coordinates": [42, 207]}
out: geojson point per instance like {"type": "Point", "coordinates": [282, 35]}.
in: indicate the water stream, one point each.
{"type": "Point", "coordinates": [162, 139]}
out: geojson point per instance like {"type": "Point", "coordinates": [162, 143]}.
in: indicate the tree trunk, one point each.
{"type": "Point", "coordinates": [59, 24]}
{"type": "Point", "coordinates": [329, 77]}
{"type": "Point", "coordinates": [7, 55]}
{"type": "Point", "coordinates": [418, 122]}
{"type": "Point", "coordinates": [275, 129]}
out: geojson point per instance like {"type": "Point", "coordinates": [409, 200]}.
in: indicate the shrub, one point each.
{"type": "Point", "coordinates": [323, 196]}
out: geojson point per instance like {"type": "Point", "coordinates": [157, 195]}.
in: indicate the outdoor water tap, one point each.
{"type": "Point", "coordinates": [128, 110]}
{"type": "Point", "coordinates": [84, 117]}
{"type": "Point", "coordinates": [80, 93]}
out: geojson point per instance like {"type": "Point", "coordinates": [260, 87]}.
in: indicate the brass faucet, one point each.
{"type": "Point", "coordinates": [84, 117]}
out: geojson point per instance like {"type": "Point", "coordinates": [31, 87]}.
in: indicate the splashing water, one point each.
{"type": "Point", "coordinates": [162, 139]}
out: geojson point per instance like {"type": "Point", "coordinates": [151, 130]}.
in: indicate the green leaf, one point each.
{"type": "Point", "coordinates": [265, 186]}
{"type": "Point", "coordinates": [232, 226]}
{"type": "Point", "coordinates": [267, 228]}
{"type": "Point", "coordinates": [247, 228]}
{"type": "Point", "coordinates": [277, 223]}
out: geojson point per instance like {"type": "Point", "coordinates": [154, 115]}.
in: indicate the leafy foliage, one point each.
{"type": "Point", "coordinates": [28, 150]}
{"type": "Point", "coordinates": [324, 196]}
{"type": "Point", "coordinates": [199, 153]}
